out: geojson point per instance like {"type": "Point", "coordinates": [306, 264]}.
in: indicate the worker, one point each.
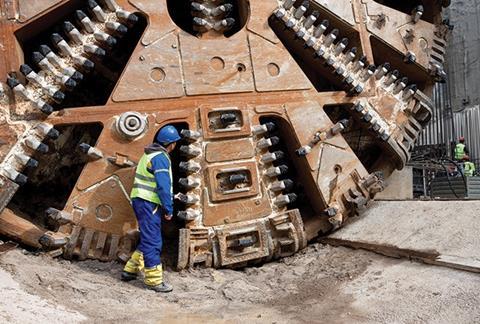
{"type": "Point", "coordinates": [461, 149]}
{"type": "Point", "coordinates": [152, 198]}
{"type": "Point", "coordinates": [469, 167]}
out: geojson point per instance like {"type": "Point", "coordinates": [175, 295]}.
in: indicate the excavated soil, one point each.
{"type": "Point", "coordinates": [322, 284]}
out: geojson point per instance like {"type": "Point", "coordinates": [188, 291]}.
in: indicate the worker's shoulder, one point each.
{"type": "Point", "coordinates": [160, 158]}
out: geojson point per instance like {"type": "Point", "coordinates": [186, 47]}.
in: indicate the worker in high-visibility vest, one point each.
{"type": "Point", "coordinates": [469, 167]}
{"type": "Point", "coordinates": [461, 149]}
{"type": "Point", "coordinates": [152, 199]}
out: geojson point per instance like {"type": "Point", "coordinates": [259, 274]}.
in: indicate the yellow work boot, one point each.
{"type": "Point", "coordinates": [133, 267]}
{"type": "Point", "coordinates": [154, 280]}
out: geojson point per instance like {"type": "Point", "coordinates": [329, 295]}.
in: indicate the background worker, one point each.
{"type": "Point", "coordinates": [152, 198]}
{"type": "Point", "coordinates": [461, 150]}
{"type": "Point", "coordinates": [469, 167]}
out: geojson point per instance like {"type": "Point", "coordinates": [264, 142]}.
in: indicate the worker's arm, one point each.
{"type": "Point", "coordinates": [160, 166]}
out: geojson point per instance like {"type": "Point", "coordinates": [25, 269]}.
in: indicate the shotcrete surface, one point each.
{"type": "Point", "coordinates": [446, 228]}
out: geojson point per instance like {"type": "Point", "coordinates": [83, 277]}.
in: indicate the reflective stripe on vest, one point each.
{"type": "Point", "coordinates": [459, 151]}
{"type": "Point", "coordinates": [144, 185]}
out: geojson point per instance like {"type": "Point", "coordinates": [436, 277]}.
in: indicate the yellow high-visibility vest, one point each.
{"type": "Point", "coordinates": [459, 151]}
{"type": "Point", "coordinates": [469, 169]}
{"type": "Point", "coordinates": [144, 185]}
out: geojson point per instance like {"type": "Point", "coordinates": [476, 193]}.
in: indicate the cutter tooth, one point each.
{"type": "Point", "coordinates": [116, 27]}
{"type": "Point", "coordinates": [190, 150]}
{"type": "Point", "coordinates": [43, 63]}
{"type": "Point", "coordinates": [52, 240]}
{"type": "Point", "coordinates": [358, 89]}
{"type": "Point", "coordinates": [73, 32]}
{"type": "Point", "coordinates": [376, 127]}
{"type": "Point", "coordinates": [221, 10]}
{"type": "Point", "coordinates": [321, 29]}
{"type": "Point", "coordinates": [382, 70]}
{"type": "Point", "coordinates": [85, 63]}
{"type": "Point", "coordinates": [59, 217]}
{"type": "Point", "coordinates": [85, 21]}
{"type": "Point", "coordinates": [111, 5]}
{"type": "Point", "coordinates": [224, 24]}
{"type": "Point", "coordinates": [331, 38]}
{"type": "Point", "coordinates": [350, 56]}
{"type": "Point", "coordinates": [321, 53]}
{"type": "Point", "coordinates": [264, 128]}
{"type": "Point", "coordinates": [15, 176]}
{"type": "Point", "coordinates": [196, 6]}
{"type": "Point", "coordinates": [339, 127]}
{"type": "Point", "coordinates": [200, 22]}
{"type": "Point", "coordinates": [409, 91]}
{"type": "Point", "coordinates": [97, 11]}
{"type": "Point", "coordinates": [94, 50]}
{"type": "Point", "coordinates": [341, 46]}
{"type": "Point", "coordinates": [189, 214]}
{"type": "Point", "coordinates": [272, 157]}
{"type": "Point", "coordinates": [310, 20]}
{"type": "Point", "coordinates": [410, 57]}
{"type": "Point", "coordinates": [369, 72]}
{"type": "Point", "coordinates": [392, 77]}
{"type": "Point", "coordinates": [301, 10]}
{"type": "Point", "coordinates": [358, 107]}
{"type": "Point", "coordinates": [67, 82]}
{"type": "Point", "coordinates": [280, 13]}
{"type": "Point", "coordinates": [190, 167]}
{"type": "Point", "coordinates": [105, 38]}
{"type": "Point", "coordinates": [288, 4]}
{"type": "Point", "coordinates": [400, 85]}
{"type": "Point", "coordinates": [360, 64]}
{"type": "Point", "coordinates": [268, 142]}
{"type": "Point", "coordinates": [190, 135]}
{"type": "Point", "coordinates": [188, 199]}
{"type": "Point", "coordinates": [276, 171]}
{"type": "Point", "coordinates": [277, 186]}
{"type": "Point", "coordinates": [47, 130]}
{"type": "Point", "coordinates": [33, 143]}
{"type": "Point", "coordinates": [31, 75]}
{"type": "Point", "coordinates": [385, 136]}
{"type": "Point", "coordinates": [284, 200]}
{"type": "Point", "coordinates": [92, 152]}
{"type": "Point", "coordinates": [367, 117]}
{"type": "Point", "coordinates": [62, 45]}
{"type": "Point", "coordinates": [417, 13]}
{"type": "Point", "coordinates": [26, 160]}
{"type": "Point", "coordinates": [126, 16]}
{"type": "Point", "coordinates": [190, 183]}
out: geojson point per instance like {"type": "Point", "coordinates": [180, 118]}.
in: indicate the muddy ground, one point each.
{"type": "Point", "coordinates": [319, 285]}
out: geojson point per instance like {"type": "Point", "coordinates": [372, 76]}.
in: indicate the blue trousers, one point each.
{"type": "Point", "coordinates": [149, 217]}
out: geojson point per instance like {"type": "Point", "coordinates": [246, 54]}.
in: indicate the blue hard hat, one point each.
{"type": "Point", "coordinates": [167, 135]}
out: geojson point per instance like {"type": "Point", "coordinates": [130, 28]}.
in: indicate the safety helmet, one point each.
{"type": "Point", "coordinates": [167, 135]}
{"type": "Point", "coordinates": [462, 139]}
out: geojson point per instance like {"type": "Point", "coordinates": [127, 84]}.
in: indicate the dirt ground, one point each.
{"type": "Point", "coordinates": [322, 284]}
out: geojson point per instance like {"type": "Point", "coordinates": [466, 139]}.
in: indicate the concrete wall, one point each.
{"type": "Point", "coordinates": [463, 55]}
{"type": "Point", "coordinates": [399, 186]}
